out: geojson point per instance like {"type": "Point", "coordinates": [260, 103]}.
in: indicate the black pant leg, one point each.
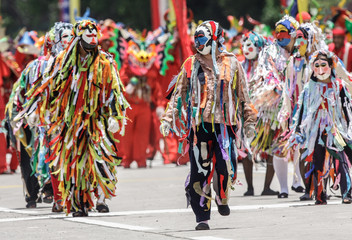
{"type": "Point", "coordinates": [30, 180]}
{"type": "Point", "coordinates": [200, 171]}
{"type": "Point", "coordinates": [343, 171]}
{"type": "Point", "coordinates": [318, 161]}
{"type": "Point", "coordinates": [222, 166]}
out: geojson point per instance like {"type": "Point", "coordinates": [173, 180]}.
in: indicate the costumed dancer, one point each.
{"type": "Point", "coordinates": [9, 73]}
{"type": "Point", "coordinates": [26, 52]}
{"type": "Point", "coordinates": [252, 43]}
{"type": "Point", "coordinates": [269, 78]}
{"type": "Point", "coordinates": [55, 41]}
{"type": "Point", "coordinates": [309, 38]}
{"type": "Point", "coordinates": [85, 105]}
{"type": "Point", "coordinates": [207, 107]}
{"type": "Point", "coordinates": [144, 60]}
{"type": "Point", "coordinates": [323, 126]}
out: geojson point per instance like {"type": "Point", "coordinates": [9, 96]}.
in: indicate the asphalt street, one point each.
{"type": "Point", "coordinates": [151, 204]}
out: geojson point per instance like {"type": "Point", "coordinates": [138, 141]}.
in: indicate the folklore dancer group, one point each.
{"type": "Point", "coordinates": [284, 99]}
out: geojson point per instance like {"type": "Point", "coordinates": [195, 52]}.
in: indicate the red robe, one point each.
{"type": "Point", "coordinates": [344, 53]}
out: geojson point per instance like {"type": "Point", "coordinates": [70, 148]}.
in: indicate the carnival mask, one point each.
{"type": "Point", "coordinates": [66, 36]}
{"type": "Point", "coordinates": [301, 43]}
{"type": "Point", "coordinates": [203, 40]}
{"type": "Point", "coordinates": [282, 35]}
{"type": "Point", "coordinates": [89, 38]}
{"type": "Point", "coordinates": [250, 51]}
{"type": "Point", "coordinates": [321, 69]}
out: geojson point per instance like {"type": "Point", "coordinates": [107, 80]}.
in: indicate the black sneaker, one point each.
{"type": "Point", "coordinates": [317, 202]}
{"type": "Point", "coordinates": [202, 226]}
{"type": "Point", "coordinates": [31, 204]}
{"type": "Point", "coordinates": [305, 197]}
{"type": "Point", "coordinates": [224, 210]}
{"type": "Point", "coordinates": [80, 213]}
{"type": "Point", "coordinates": [282, 195]}
{"type": "Point", "coordinates": [102, 208]}
{"type": "Point", "coordinates": [269, 192]}
{"type": "Point", "coordinates": [298, 189]}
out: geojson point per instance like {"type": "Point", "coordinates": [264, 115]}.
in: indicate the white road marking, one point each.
{"type": "Point", "coordinates": [278, 205]}
{"type": "Point", "coordinates": [144, 212]}
{"type": "Point", "coordinates": [31, 218]}
{"type": "Point", "coordinates": [109, 224]}
{"type": "Point", "coordinates": [18, 211]}
{"type": "Point", "coordinates": [209, 238]}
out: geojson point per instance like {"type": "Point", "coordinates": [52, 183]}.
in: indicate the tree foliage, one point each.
{"type": "Point", "coordinates": [40, 15]}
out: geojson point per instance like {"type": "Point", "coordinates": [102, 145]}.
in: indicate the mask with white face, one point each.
{"type": "Point", "coordinates": [301, 43]}
{"type": "Point", "coordinates": [250, 51]}
{"type": "Point", "coordinates": [66, 37]}
{"type": "Point", "coordinates": [89, 38]}
{"type": "Point", "coordinates": [321, 69]}
{"type": "Point", "coordinates": [203, 40]}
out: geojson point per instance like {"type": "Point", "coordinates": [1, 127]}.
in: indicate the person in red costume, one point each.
{"type": "Point", "coordinates": [144, 95]}
{"type": "Point", "coordinates": [145, 60]}
{"type": "Point", "coordinates": [341, 47]}
{"type": "Point", "coordinates": [9, 72]}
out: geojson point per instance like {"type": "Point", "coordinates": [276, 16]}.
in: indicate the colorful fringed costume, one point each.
{"type": "Point", "coordinates": [252, 43]}
{"type": "Point", "coordinates": [84, 93]}
{"type": "Point", "coordinates": [309, 38]}
{"type": "Point", "coordinates": [19, 130]}
{"type": "Point", "coordinates": [323, 128]}
{"type": "Point", "coordinates": [269, 77]}
{"type": "Point", "coordinates": [37, 146]}
{"type": "Point", "coordinates": [210, 110]}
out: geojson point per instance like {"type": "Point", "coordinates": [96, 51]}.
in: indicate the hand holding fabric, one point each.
{"type": "Point", "coordinates": [113, 125]}
{"type": "Point", "coordinates": [249, 131]}
{"type": "Point", "coordinates": [299, 137]}
{"type": "Point", "coordinates": [160, 111]}
{"type": "Point", "coordinates": [33, 119]}
{"type": "Point", "coordinates": [165, 128]}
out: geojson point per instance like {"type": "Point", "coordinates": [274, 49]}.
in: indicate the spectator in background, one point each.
{"type": "Point", "coordinates": [341, 47]}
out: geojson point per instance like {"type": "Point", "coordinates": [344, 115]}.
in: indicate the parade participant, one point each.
{"type": "Point", "coordinates": [86, 105]}
{"type": "Point", "coordinates": [252, 44]}
{"type": "Point", "coordinates": [9, 72]}
{"type": "Point", "coordinates": [309, 38]}
{"type": "Point", "coordinates": [322, 126]}
{"type": "Point", "coordinates": [26, 52]}
{"type": "Point", "coordinates": [303, 17]}
{"type": "Point", "coordinates": [36, 141]}
{"type": "Point", "coordinates": [107, 32]}
{"type": "Point", "coordinates": [57, 40]}
{"type": "Point", "coordinates": [207, 107]}
{"type": "Point", "coordinates": [341, 47]}
{"type": "Point", "coordinates": [144, 61]}
{"type": "Point", "coordinates": [269, 76]}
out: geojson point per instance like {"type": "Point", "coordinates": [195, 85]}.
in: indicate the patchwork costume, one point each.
{"type": "Point", "coordinates": [323, 130]}
{"type": "Point", "coordinates": [209, 108]}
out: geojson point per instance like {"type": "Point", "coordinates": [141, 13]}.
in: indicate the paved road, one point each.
{"type": "Point", "coordinates": [151, 205]}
